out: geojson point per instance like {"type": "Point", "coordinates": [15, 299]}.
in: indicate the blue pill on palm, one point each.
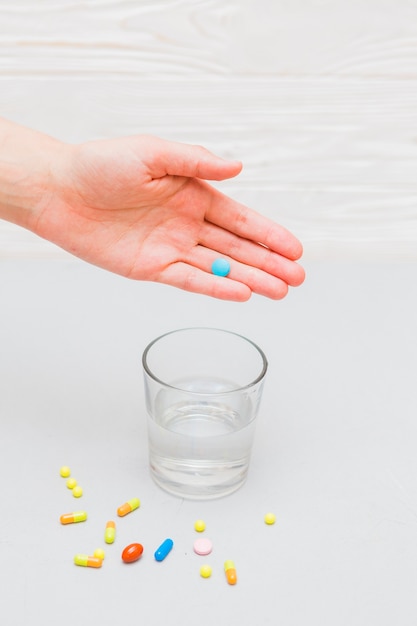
{"type": "Point", "coordinates": [220, 267]}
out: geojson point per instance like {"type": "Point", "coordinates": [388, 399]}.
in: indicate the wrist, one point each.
{"type": "Point", "coordinates": [26, 182]}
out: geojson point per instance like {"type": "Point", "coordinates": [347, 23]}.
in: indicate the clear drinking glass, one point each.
{"type": "Point", "coordinates": [203, 390]}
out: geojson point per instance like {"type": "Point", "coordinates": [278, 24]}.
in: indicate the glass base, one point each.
{"type": "Point", "coordinates": [200, 483]}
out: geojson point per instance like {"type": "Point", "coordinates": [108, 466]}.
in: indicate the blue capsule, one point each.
{"type": "Point", "coordinates": [163, 550]}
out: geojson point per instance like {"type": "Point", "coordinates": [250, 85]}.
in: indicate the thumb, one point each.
{"type": "Point", "coordinates": [180, 159]}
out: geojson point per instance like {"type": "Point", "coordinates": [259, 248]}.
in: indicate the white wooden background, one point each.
{"type": "Point", "coordinates": [317, 97]}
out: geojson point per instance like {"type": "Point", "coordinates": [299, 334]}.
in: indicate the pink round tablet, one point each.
{"type": "Point", "coordinates": [203, 546]}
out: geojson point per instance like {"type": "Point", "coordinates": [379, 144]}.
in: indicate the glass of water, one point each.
{"type": "Point", "coordinates": [203, 389]}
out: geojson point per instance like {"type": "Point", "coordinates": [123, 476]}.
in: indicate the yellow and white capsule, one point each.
{"type": "Point", "coordinates": [87, 561]}
{"type": "Point", "coordinates": [230, 570]}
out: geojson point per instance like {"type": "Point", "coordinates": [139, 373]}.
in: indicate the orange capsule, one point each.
{"type": "Point", "coordinates": [110, 532]}
{"type": "Point", "coordinates": [72, 518]}
{"type": "Point", "coordinates": [229, 568]}
{"type": "Point", "coordinates": [87, 561]}
{"type": "Point", "coordinates": [128, 506]}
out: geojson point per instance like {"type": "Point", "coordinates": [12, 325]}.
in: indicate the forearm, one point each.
{"type": "Point", "coordinates": [25, 161]}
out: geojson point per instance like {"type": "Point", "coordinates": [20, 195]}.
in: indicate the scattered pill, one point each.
{"type": "Point", "coordinates": [77, 492]}
{"type": "Point", "coordinates": [203, 546]}
{"type": "Point", "coordinates": [229, 568]}
{"type": "Point", "coordinates": [269, 519]}
{"type": "Point", "coordinates": [128, 506]}
{"type": "Point", "coordinates": [71, 483]}
{"type": "Point", "coordinates": [72, 518]}
{"type": "Point", "coordinates": [65, 471]}
{"type": "Point", "coordinates": [99, 553]}
{"type": "Point", "coordinates": [87, 561]}
{"type": "Point", "coordinates": [110, 532]}
{"type": "Point", "coordinates": [205, 571]}
{"type": "Point", "coordinates": [163, 550]}
{"type": "Point", "coordinates": [199, 526]}
{"type": "Point", "coordinates": [220, 267]}
{"type": "Point", "coordinates": [132, 552]}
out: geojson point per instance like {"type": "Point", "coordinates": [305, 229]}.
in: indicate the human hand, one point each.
{"type": "Point", "coordinates": [140, 207]}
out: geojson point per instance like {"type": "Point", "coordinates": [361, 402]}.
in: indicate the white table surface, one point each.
{"type": "Point", "coordinates": [335, 455]}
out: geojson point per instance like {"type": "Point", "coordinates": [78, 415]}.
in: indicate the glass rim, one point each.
{"type": "Point", "coordinates": [252, 383]}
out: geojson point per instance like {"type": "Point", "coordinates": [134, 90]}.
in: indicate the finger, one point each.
{"type": "Point", "coordinates": [180, 159]}
{"type": "Point", "coordinates": [244, 222]}
{"type": "Point", "coordinates": [191, 278]}
{"type": "Point", "coordinates": [252, 254]}
{"type": "Point", "coordinates": [256, 279]}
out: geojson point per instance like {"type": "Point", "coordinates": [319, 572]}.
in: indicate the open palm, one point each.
{"type": "Point", "coordinates": [140, 207]}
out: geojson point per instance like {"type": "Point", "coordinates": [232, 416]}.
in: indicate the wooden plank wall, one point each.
{"type": "Point", "coordinates": [317, 97]}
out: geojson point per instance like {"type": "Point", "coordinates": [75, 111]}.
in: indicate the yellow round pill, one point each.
{"type": "Point", "coordinates": [71, 483]}
{"type": "Point", "coordinates": [205, 571]}
{"type": "Point", "coordinates": [199, 525]}
{"type": "Point", "coordinates": [99, 553]}
{"type": "Point", "coordinates": [269, 519]}
{"type": "Point", "coordinates": [77, 492]}
{"type": "Point", "coordinates": [65, 471]}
